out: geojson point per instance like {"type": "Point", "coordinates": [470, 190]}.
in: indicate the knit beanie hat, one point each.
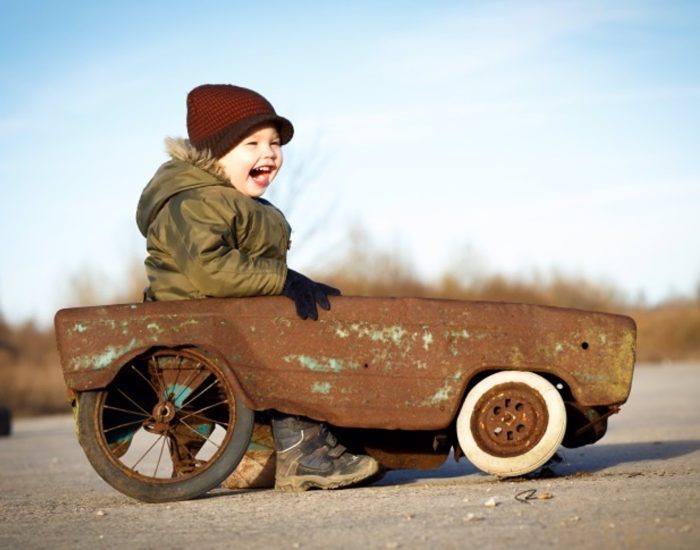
{"type": "Point", "coordinates": [219, 116]}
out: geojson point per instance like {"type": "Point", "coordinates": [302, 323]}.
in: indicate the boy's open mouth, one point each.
{"type": "Point", "coordinates": [261, 174]}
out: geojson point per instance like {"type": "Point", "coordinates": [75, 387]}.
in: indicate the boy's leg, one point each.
{"type": "Point", "coordinates": [309, 456]}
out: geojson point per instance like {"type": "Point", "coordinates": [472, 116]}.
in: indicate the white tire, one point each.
{"type": "Point", "coordinates": [511, 423]}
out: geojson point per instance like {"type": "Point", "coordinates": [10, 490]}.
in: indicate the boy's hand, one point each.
{"type": "Point", "coordinates": [307, 293]}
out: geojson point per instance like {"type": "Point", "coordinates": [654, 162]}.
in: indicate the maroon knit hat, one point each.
{"type": "Point", "coordinates": [219, 116]}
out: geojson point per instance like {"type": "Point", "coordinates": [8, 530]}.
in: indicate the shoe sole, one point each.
{"type": "Point", "coordinates": [304, 483]}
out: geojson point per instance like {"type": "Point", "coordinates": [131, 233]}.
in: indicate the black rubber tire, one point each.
{"type": "Point", "coordinates": [5, 421]}
{"type": "Point", "coordinates": [152, 489]}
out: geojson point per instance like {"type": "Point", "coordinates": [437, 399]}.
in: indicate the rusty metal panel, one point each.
{"type": "Point", "coordinates": [401, 363]}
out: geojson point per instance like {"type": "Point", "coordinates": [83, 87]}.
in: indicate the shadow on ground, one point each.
{"type": "Point", "coordinates": [584, 460]}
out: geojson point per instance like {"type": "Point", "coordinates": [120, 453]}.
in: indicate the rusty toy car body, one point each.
{"type": "Point", "coordinates": [166, 392]}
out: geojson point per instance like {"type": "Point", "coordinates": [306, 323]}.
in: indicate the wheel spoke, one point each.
{"type": "Point", "coordinates": [205, 438]}
{"type": "Point", "coordinates": [147, 451]}
{"type": "Point", "coordinates": [177, 377]}
{"type": "Point", "coordinates": [137, 371]}
{"type": "Point", "coordinates": [204, 409]}
{"type": "Point", "coordinates": [144, 411]}
{"type": "Point", "coordinates": [172, 440]}
{"type": "Point", "coordinates": [186, 385]}
{"type": "Point", "coordinates": [122, 426]}
{"type": "Point", "coordinates": [136, 413]}
{"type": "Point", "coordinates": [155, 365]}
{"type": "Point", "coordinates": [160, 456]}
{"type": "Point", "coordinates": [204, 418]}
{"type": "Point", "coordinates": [190, 399]}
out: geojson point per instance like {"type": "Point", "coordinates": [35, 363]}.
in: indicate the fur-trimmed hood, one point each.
{"type": "Point", "coordinates": [189, 168]}
{"type": "Point", "coordinates": [182, 149]}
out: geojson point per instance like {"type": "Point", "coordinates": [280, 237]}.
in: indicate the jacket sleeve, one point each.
{"type": "Point", "coordinates": [205, 251]}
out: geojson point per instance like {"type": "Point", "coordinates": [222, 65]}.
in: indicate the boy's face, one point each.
{"type": "Point", "coordinates": [254, 162]}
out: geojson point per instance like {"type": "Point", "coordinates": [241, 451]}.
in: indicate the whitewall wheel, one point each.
{"type": "Point", "coordinates": [511, 423]}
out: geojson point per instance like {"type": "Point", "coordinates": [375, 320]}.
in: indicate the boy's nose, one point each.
{"type": "Point", "coordinates": [269, 151]}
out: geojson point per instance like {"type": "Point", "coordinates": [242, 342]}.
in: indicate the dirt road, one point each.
{"type": "Point", "coordinates": [639, 488]}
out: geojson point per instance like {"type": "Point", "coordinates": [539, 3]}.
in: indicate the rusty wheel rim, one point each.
{"type": "Point", "coordinates": [509, 419]}
{"type": "Point", "coordinates": [166, 417]}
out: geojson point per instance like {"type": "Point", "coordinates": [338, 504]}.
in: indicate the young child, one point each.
{"type": "Point", "coordinates": [209, 233]}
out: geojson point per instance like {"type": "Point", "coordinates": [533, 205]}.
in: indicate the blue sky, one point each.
{"type": "Point", "coordinates": [512, 137]}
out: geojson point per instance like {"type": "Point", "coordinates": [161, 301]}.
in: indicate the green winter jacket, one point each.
{"type": "Point", "coordinates": [205, 238]}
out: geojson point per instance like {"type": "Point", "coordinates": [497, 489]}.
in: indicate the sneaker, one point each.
{"type": "Point", "coordinates": [309, 456]}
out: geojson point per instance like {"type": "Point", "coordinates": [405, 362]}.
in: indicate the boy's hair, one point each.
{"type": "Point", "coordinates": [219, 116]}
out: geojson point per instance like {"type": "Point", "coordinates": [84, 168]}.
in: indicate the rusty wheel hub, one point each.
{"type": "Point", "coordinates": [164, 411]}
{"type": "Point", "coordinates": [509, 419]}
{"type": "Point", "coordinates": [162, 418]}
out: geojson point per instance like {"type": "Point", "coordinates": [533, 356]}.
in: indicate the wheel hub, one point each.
{"type": "Point", "coordinates": [162, 417]}
{"type": "Point", "coordinates": [509, 420]}
{"type": "Point", "coordinates": [164, 411]}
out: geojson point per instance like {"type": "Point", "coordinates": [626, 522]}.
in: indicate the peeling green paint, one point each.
{"type": "Point", "coordinates": [154, 327]}
{"type": "Point", "coordinates": [324, 364]}
{"type": "Point", "coordinates": [321, 387]}
{"type": "Point", "coordinates": [427, 340]}
{"type": "Point", "coordinates": [453, 336]}
{"type": "Point", "coordinates": [376, 333]}
{"type": "Point", "coordinates": [457, 376]}
{"type": "Point", "coordinates": [79, 327]}
{"type": "Point", "coordinates": [442, 394]}
{"type": "Point", "coordinates": [102, 360]}
{"type": "Point", "coordinates": [558, 348]}
{"type": "Point", "coordinates": [603, 339]}
{"type": "Point", "coordinates": [183, 325]}
{"type": "Point", "coordinates": [342, 333]}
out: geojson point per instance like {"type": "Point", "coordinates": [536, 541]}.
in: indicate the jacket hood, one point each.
{"type": "Point", "coordinates": [188, 168]}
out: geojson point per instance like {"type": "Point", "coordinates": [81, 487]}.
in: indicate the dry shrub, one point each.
{"type": "Point", "coordinates": [367, 270]}
{"type": "Point", "coordinates": [31, 379]}
{"type": "Point", "coordinates": [670, 332]}
{"type": "Point", "coordinates": [559, 291]}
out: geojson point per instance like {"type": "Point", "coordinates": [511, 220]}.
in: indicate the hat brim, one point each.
{"type": "Point", "coordinates": [225, 140]}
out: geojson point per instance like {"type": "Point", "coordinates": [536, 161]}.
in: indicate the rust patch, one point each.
{"type": "Point", "coordinates": [509, 420]}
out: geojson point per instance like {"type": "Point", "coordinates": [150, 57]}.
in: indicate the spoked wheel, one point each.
{"type": "Point", "coordinates": [168, 427]}
{"type": "Point", "coordinates": [511, 423]}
